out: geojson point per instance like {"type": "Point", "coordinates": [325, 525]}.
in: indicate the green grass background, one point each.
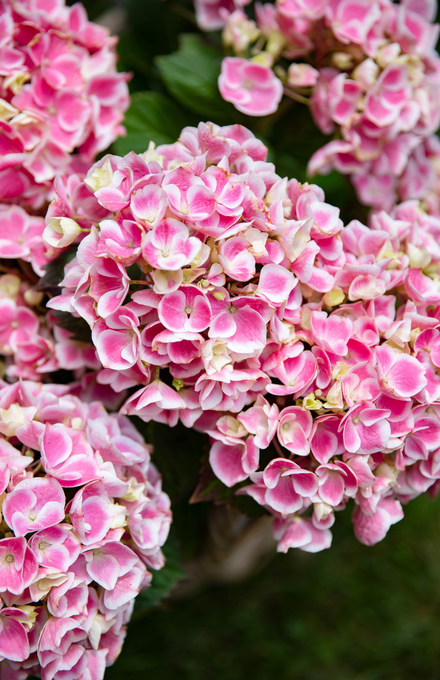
{"type": "Point", "coordinates": [348, 613]}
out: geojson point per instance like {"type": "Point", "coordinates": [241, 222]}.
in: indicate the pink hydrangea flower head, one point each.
{"type": "Point", "coordinates": [258, 318]}
{"type": "Point", "coordinates": [68, 577]}
{"type": "Point", "coordinates": [62, 96]}
{"type": "Point", "coordinates": [352, 62]}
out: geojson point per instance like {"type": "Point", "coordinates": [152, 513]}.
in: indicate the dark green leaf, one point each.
{"type": "Point", "coordinates": [152, 28]}
{"type": "Point", "coordinates": [177, 454]}
{"type": "Point", "coordinates": [55, 270]}
{"type": "Point", "coordinates": [77, 326]}
{"type": "Point", "coordinates": [210, 488]}
{"type": "Point", "coordinates": [134, 60]}
{"type": "Point", "coordinates": [165, 579]}
{"type": "Point", "coordinates": [151, 117]}
{"type": "Point", "coordinates": [191, 76]}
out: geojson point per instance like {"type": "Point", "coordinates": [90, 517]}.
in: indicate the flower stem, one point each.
{"type": "Point", "coordinates": [297, 97]}
{"type": "Point", "coordinates": [278, 447]}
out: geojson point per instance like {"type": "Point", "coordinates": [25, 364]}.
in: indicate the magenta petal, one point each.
{"type": "Point", "coordinates": [104, 569]}
{"type": "Point", "coordinates": [56, 445]}
{"type": "Point", "coordinates": [14, 644]}
{"type": "Point", "coordinates": [226, 462]}
{"type": "Point", "coordinates": [297, 535]}
{"type": "Point", "coordinates": [171, 311]}
{"type": "Point", "coordinates": [352, 440]}
{"type": "Point", "coordinates": [251, 456]}
{"type": "Point", "coordinates": [200, 318]}
{"type": "Point", "coordinates": [283, 498]}
{"type": "Point", "coordinates": [304, 482]}
{"type": "Point", "coordinates": [332, 490]}
{"type": "Point", "coordinates": [275, 469]}
{"type": "Point", "coordinates": [222, 326]}
{"type": "Point", "coordinates": [407, 376]}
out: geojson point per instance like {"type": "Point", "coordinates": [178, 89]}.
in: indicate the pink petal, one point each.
{"type": "Point", "coordinates": [283, 498]}
{"type": "Point", "coordinates": [14, 644]}
{"type": "Point", "coordinates": [276, 283]}
{"type": "Point", "coordinates": [226, 462]}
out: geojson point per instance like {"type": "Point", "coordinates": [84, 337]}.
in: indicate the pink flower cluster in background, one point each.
{"type": "Point", "coordinates": [84, 516]}
{"type": "Point", "coordinates": [31, 343]}
{"type": "Point", "coordinates": [60, 93]}
{"type": "Point", "coordinates": [241, 305]}
{"type": "Point", "coordinates": [21, 237]}
{"type": "Point", "coordinates": [21, 233]}
{"type": "Point", "coordinates": [369, 72]}
{"type": "Point", "coordinates": [211, 13]}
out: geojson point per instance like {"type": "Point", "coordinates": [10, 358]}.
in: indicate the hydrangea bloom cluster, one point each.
{"type": "Point", "coordinates": [243, 307]}
{"type": "Point", "coordinates": [60, 93]}
{"type": "Point", "coordinates": [32, 345]}
{"type": "Point", "coordinates": [21, 237]}
{"type": "Point", "coordinates": [83, 516]}
{"type": "Point", "coordinates": [369, 72]}
{"type": "Point", "coordinates": [21, 233]}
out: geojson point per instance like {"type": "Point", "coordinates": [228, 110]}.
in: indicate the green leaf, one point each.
{"type": "Point", "coordinates": [191, 76]}
{"type": "Point", "coordinates": [76, 325]}
{"type": "Point", "coordinates": [152, 116]}
{"type": "Point", "coordinates": [165, 579]}
{"type": "Point", "coordinates": [55, 270]}
{"type": "Point", "coordinates": [177, 454]}
{"type": "Point", "coordinates": [210, 488]}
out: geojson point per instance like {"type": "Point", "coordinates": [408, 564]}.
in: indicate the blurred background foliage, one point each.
{"type": "Point", "coordinates": [349, 613]}
{"type": "Point", "coordinates": [175, 70]}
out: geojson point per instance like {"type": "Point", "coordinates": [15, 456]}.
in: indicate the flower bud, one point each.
{"type": "Point", "coordinates": [61, 231]}
{"type": "Point", "coordinates": [33, 297]}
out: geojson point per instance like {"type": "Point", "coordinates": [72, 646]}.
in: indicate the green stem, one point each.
{"type": "Point", "coordinates": [296, 97]}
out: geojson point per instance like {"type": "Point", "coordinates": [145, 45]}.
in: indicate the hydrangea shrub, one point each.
{"type": "Point", "coordinates": [208, 290]}
{"type": "Point", "coordinates": [237, 302]}
{"type": "Point", "coordinates": [62, 100]}
{"type": "Point", "coordinates": [83, 519]}
{"type": "Point", "coordinates": [369, 72]}
{"type": "Point", "coordinates": [33, 346]}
